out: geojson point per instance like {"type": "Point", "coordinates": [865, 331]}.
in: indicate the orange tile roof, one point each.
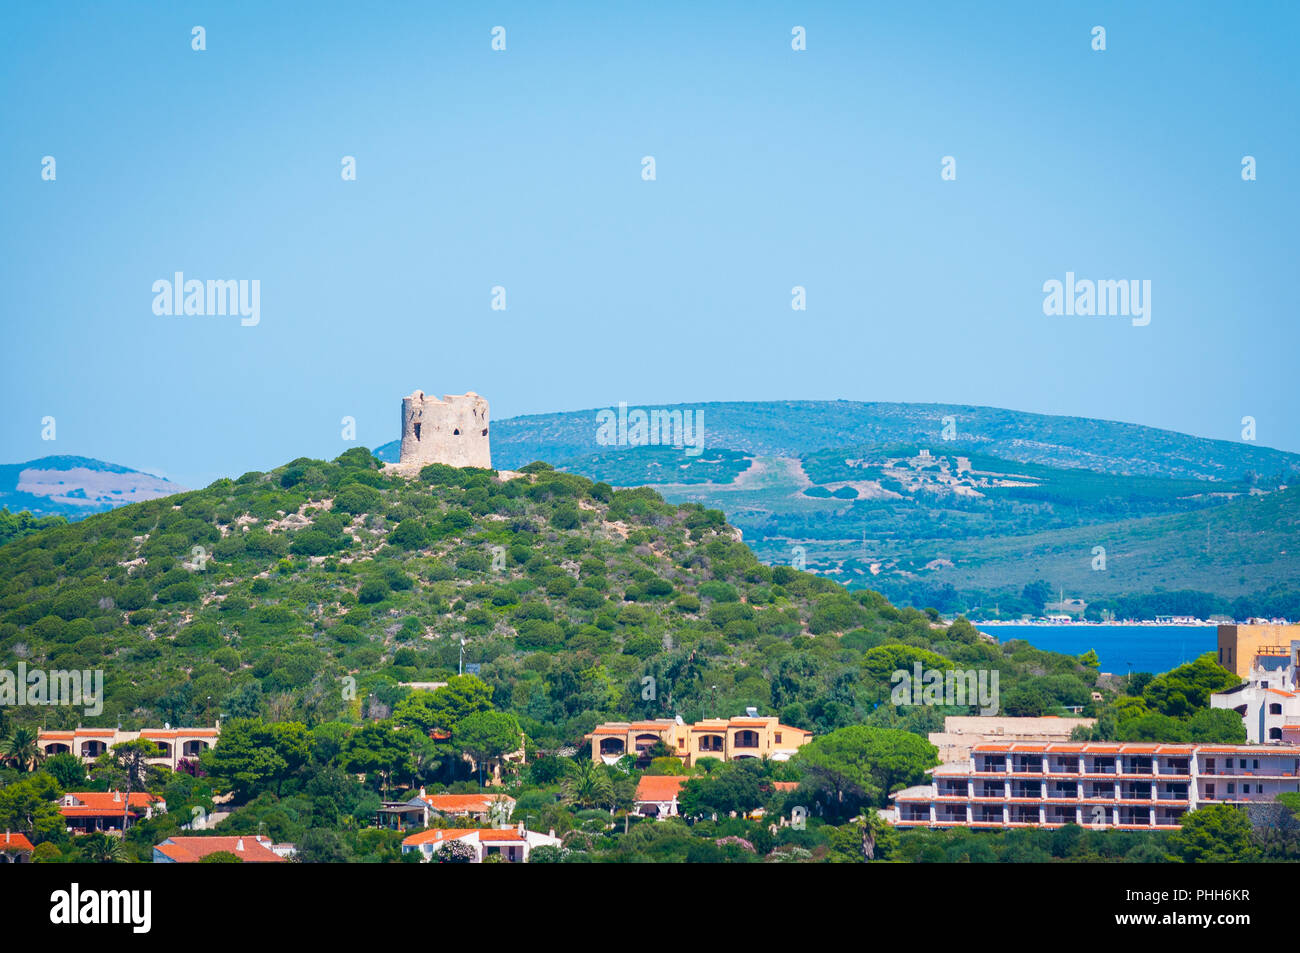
{"type": "Point", "coordinates": [10, 841]}
{"type": "Point", "coordinates": [659, 787]}
{"type": "Point", "coordinates": [785, 785]}
{"type": "Point", "coordinates": [190, 850]}
{"type": "Point", "coordinates": [436, 836]}
{"type": "Point", "coordinates": [464, 802]}
{"type": "Point", "coordinates": [102, 804]}
{"type": "Point", "coordinates": [488, 836]}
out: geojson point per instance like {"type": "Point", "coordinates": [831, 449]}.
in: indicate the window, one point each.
{"type": "Point", "coordinates": [1245, 789]}
{"type": "Point", "coordinates": [1256, 767]}
{"type": "Point", "coordinates": [1232, 788]}
{"type": "Point", "coordinates": [778, 737]}
{"type": "Point", "coordinates": [1241, 763]}
{"type": "Point", "coordinates": [1209, 790]}
{"type": "Point", "coordinates": [1275, 709]}
{"type": "Point", "coordinates": [1209, 765]}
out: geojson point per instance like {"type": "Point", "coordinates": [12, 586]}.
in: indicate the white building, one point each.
{"type": "Point", "coordinates": [1126, 785]}
{"type": "Point", "coordinates": [1268, 700]}
{"type": "Point", "coordinates": [515, 844]}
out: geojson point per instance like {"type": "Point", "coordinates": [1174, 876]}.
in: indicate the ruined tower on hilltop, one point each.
{"type": "Point", "coordinates": [453, 430]}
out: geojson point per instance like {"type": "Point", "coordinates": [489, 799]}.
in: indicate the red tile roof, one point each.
{"type": "Point", "coordinates": [190, 850]}
{"type": "Point", "coordinates": [436, 836]}
{"type": "Point", "coordinates": [460, 803]}
{"type": "Point", "coordinates": [485, 835]}
{"type": "Point", "coordinates": [100, 803]}
{"type": "Point", "coordinates": [659, 787]}
{"type": "Point", "coordinates": [10, 841]}
{"type": "Point", "coordinates": [490, 836]}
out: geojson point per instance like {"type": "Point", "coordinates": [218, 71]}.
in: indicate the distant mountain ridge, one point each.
{"type": "Point", "coordinates": [794, 428]}
{"type": "Point", "coordinates": [874, 494]}
{"type": "Point", "coordinates": [74, 486]}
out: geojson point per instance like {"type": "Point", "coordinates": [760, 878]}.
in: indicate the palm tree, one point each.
{"type": "Point", "coordinates": [20, 747]}
{"type": "Point", "coordinates": [588, 786]}
{"type": "Point", "coordinates": [99, 848]}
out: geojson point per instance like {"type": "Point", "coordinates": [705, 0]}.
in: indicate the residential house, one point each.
{"type": "Point", "coordinates": [87, 811]}
{"type": "Point", "coordinates": [656, 796]}
{"type": "Point", "coordinates": [515, 844]}
{"type": "Point", "coordinates": [1268, 699]}
{"type": "Point", "coordinates": [418, 810]}
{"type": "Point", "coordinates": [727, 739]}
{"type": "Point", "coordinates": [15, 849]}
{"type": "Point", "coordinates": [176, 744]}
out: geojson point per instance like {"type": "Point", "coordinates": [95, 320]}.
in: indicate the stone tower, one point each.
{"type": "Point", "coordinates": [453, 430]}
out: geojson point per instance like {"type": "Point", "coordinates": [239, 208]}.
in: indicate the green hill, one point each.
{"type": "Point", "coordinates": [269, 591]}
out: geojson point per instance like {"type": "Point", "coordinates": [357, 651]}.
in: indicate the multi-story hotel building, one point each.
{"type": "Point", "coordinates": [726, 739]}
{"type": "Point", "coordinates": [1133, 786]}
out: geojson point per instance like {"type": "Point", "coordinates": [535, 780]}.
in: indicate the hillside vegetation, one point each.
{"type": "Point", "coordinates": [265, 592]}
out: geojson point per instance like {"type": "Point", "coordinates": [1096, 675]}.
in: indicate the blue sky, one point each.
{"type": "Point", "coordinates": [522, 168]}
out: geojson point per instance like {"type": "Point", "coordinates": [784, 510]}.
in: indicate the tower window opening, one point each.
{"type": "Point", "coordinates": [456, 432]}
{"type": "Point", "coordinates": [417, 431]}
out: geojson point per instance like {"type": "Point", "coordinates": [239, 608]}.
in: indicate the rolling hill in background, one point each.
{"type": "Point", "coordinates": [793, 428]}
{"type": "Point", "coordinates": [74, 487]}
{"type": "Point", "coordinates": [872, 494]}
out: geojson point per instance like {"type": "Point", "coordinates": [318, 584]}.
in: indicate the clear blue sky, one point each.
{"type": "Point", "coordinates": [775, 168]}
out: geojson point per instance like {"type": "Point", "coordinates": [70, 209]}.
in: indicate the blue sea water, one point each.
{"type": "Point", "coordinates": [1121, 648]}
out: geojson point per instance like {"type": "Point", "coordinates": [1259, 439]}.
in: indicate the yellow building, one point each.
{"type": "Point", "coordinates": [1240, 646]}
{"type": "Point", "coordinates": [727, 739]}
{"type": "Point", "coordinates": [175, 744]}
